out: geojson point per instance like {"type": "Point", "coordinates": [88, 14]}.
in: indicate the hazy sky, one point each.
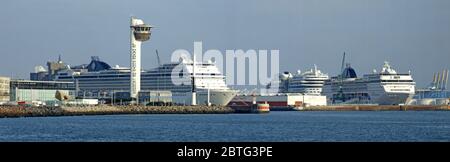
{"type": "Point", "coordinates": [411, 34]}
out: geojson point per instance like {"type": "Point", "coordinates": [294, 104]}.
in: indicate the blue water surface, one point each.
{"type": "Point", "coordinates": [284, 126]}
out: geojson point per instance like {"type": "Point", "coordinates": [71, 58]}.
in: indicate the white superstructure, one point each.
{"type": "Point", "coordinates": [386, 87]}
{"type": "Point", "coordinates": [99, 80]}
{"type": "Point", "coordinates": [309, 82]}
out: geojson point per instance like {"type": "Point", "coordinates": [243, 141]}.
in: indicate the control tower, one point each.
{"type": "Point", "coordinates": [140, 32]}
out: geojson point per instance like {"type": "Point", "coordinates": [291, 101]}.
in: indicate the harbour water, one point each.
{"type": "Point", "coordinates": [272, 127]}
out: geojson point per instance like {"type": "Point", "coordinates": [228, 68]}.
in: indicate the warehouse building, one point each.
{"type": "Point", "coordinates": [28, 90]}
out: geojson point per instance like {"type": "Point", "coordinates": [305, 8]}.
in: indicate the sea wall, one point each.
{"type": "Point", "coordinates": [23, 111]}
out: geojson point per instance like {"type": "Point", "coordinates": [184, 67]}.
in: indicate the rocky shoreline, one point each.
{"type": "Point", "coordinates": [22, 111]}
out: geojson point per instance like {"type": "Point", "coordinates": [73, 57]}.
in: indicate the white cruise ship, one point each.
{"type": "Point", "coordinates": [309, 82]}
{"type": "Point", "coordinates": [386, 87]}
{"type": "Point", "coordinates": [99, 80]}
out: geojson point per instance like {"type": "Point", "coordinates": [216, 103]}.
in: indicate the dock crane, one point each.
{"type": "Point", "coordinates": [340, 95]}
{"type": "Point", "coordinates": [157, 56]}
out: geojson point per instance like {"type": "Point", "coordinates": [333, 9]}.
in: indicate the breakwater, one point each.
{"type": "Point", "coordinates": [379, 108]}
{"type": "Point", "coordinates": [23, 111]}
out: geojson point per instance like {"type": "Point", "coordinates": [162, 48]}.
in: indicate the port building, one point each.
{"type": "Point", "coordinates": [4, 89]}
{"type": "Point", "coordinates": [282, 101]}
{"type": "Point", "coordinates": [45, 91]}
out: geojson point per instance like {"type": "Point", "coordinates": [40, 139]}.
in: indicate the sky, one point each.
{"type": "Point", "coordinates": [410, 34]}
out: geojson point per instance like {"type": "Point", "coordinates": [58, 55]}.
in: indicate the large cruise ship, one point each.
{"type": "Point", "coordinates": [386, 87]}
{"type": "Point", "coordinates": [309, 82]}
{"type": "Point", "coordinates": [100, 80]}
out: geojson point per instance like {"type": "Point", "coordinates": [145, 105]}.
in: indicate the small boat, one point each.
{"type": "Point", "coordinates": [260, 108]}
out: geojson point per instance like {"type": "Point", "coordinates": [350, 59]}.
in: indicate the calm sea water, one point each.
{"type": "Point", "coordinates": [275, 126]}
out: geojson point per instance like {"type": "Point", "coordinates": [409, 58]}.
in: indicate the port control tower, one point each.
{"type": "Point", "coordinates": [139, 32]}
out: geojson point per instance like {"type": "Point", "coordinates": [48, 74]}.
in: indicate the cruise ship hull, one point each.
{"type": "Point", "coordinates": [393, 98]}
{"type": "Point", "coordinates": [384, 99]}
{"type": "Point", "coordinates": [216, 97]}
